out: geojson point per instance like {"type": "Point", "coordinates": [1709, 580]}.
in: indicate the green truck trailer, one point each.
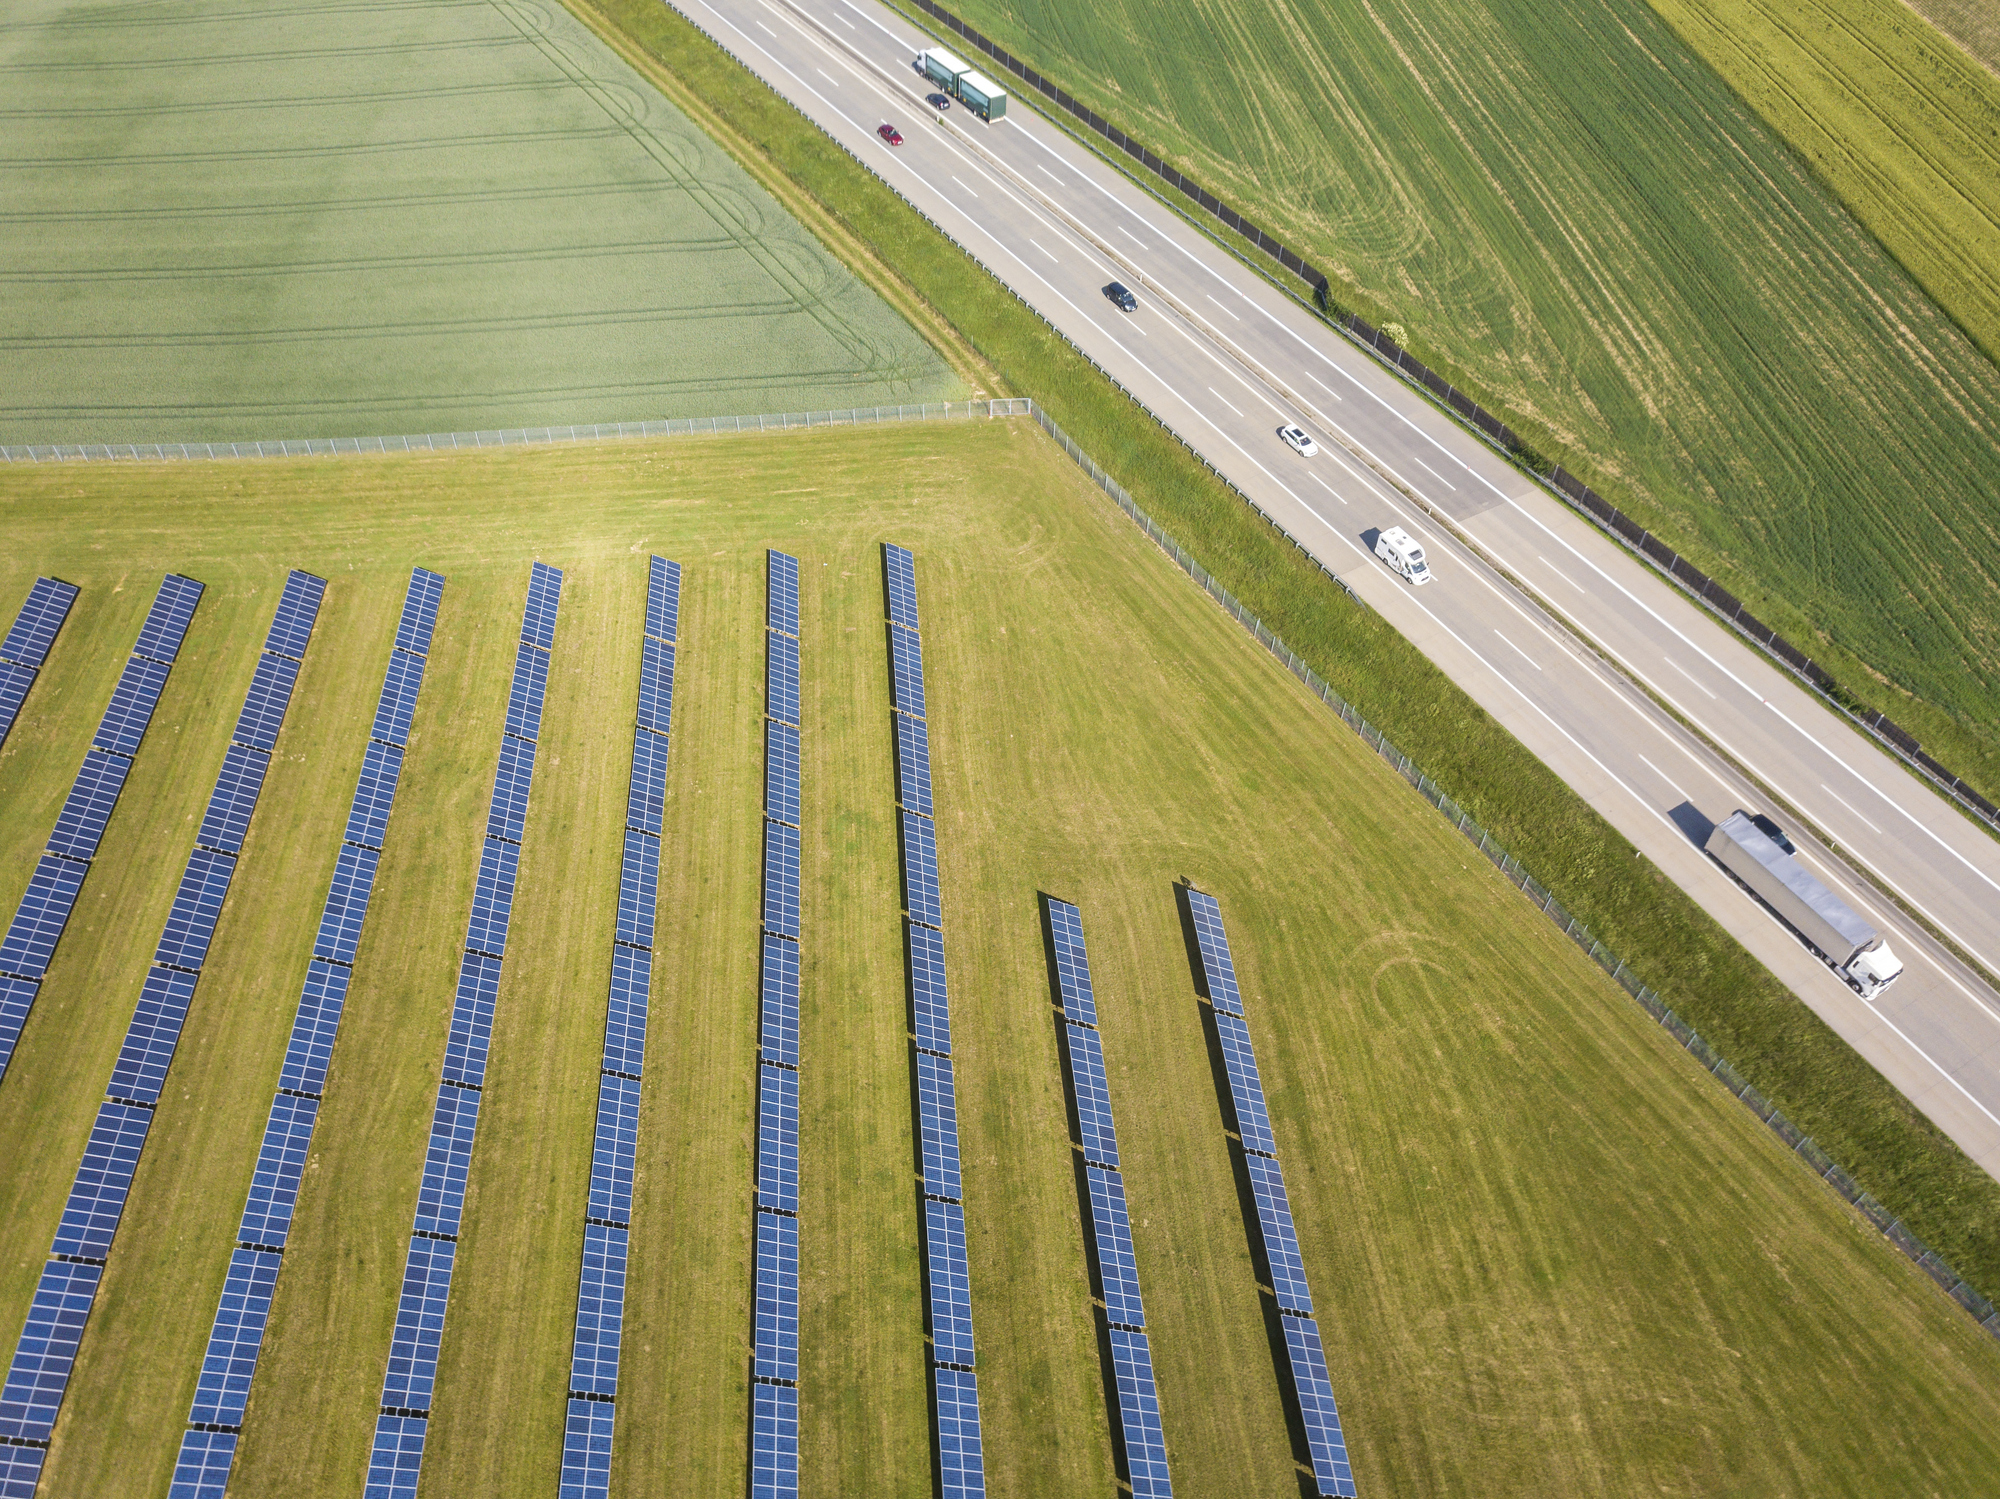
{"type": "Point", "coordinates": [975, 91]}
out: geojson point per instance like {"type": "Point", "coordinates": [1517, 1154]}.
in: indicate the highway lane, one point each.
{"type": "Point", "coordinates": [1222, 359]}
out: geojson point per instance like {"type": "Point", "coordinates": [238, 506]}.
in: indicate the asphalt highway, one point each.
{"type": "Point", "coordinates": [1656, 713]}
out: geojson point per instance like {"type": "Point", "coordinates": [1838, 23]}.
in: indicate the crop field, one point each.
{"type": "Point", "coordinates": [1573, 214]}
{"type": "Point", "coordinates": [1551, 1256]}
{"type": "Point", "coordinates": [1972, 25]}
{"type": "Point", "coordinates": [221, 221]}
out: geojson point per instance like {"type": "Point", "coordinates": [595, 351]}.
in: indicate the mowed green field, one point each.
{"type": "Point", "coordinates": [221, 221]}
{"type": "Point", "coordinates": [1550, 1256]}
{"type": "Point", "coordinates": [1573, 215]}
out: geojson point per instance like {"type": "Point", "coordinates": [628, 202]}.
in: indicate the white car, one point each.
{"type": "Point", "coordinates": [1399, 549]}
{"type": "Point", "coordinates": [1295, 437]}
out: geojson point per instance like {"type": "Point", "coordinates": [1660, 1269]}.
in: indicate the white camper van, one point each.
{"type": "Point", "coordinates": [1399, 549]}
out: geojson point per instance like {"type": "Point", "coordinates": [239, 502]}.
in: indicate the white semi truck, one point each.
{"type": "Point", "coordinates": [1831, 928]}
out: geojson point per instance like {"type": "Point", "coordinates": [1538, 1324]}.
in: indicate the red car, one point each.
{"type": "Point", "coordinates": [891, 134]}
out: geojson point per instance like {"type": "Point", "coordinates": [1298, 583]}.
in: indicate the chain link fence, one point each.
{"type": "Point", "coordinates": [1800, 1144]}
{"type": "Point", "coordinates": [511, 437]}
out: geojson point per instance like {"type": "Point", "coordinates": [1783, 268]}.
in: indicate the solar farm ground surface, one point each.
{"type": "Point", "coordinates": [222, 221]}
{"type": "Point", "coordinates": [1550, 1256]}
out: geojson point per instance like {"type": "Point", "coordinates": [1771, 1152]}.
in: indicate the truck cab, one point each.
{"type": "Point", "coordinates": [1400, 550]}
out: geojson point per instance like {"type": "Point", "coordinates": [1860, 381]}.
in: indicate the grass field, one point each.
{"type": "Point", "coordinates": [1552, 1257]}
{"type": "Point", "coordinates": [1576, 219]}
{"type": "Point", "coordinates": [222, 222]}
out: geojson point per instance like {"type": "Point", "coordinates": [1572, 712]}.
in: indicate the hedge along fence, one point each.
{"type": "Point", "coordinates": [1705, 589]}
{"type": "Point", "coordinates": [1800, 1144]}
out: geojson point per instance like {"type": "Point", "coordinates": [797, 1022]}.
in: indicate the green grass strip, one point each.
{"type": "Point", "coordinates": [1787, 1053]}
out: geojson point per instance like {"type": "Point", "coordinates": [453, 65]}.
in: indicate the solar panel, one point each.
{"type": "Point", "coordinates": [781, 771]}
{"type": "Point", "coordinates": [1072, 963]}
{"type": "Point", "coordinates": [663, 599]}
{"type": "Point", "coordinates": [937, 1126]}
{"type": "Point", "coordinates": [929, 999]}
{"type": "Point", "coordinates": [783, 585]}
{"type": "Point", "coordinates": [913, 764]}
{"type": "Point", "coordinates": [1111, 1235]}
{"type": "Point", "coordinates": [493, 897]}
{"type": "Point", "coordinates": [398, 704]}
{"type": "Point", "coordinates": [167, 620]}
{"type": "Point", "coordinates": [1246, 1089]}
{"type": "Point", "coordinates": [1218, 968]}
{"type": "Point", "coordinates": [233, 1342]}
{"type": "Point", "coordinates": [346, 903]}
{"type": "Point", "coordinates": [779, 1014]}
{"type": "Point", "coordinates": [315, 1027]}
{"type": "Point", "coordinates": [638, 888]}
{"type": "Point", "coordinates": [281, 1165]}
{"type": "Point", "coordinates": [97, 1197]}
{"type": "Point", "coordinates": [226, 823]}
{"type": "Point", "coordinates": [949, 1276]}
{"type": "Point", "coordinates": [472, 1020]}
{"type": "Point", "coordinates": [17, 997]}
{"type": "Point", "coordinates": [921, 895]}
{"type": "Point", "coordinates": [507, 813]}
{"type": "Point", "coordinates": [777, 1313]}
{"type": "Point", "coordinates": [1093, 1097]}
{"type": "Point", "coordinates": [397, 1457]}
{"type": "Point", "coordinates": [47, 1350]}
{"type": "Point", "coordinates": [264, 706]}
{"type": "Point", "coordinates": [413, 1351]}
{"type": "Point", "coordinates": [600, 1311]}
{"type": "Point", "coordinates": [646, 804]}
{"type": "Point", "coordinates": [92, 797]}
{"type": "Point", "coordinates": [538, 620]}
{"type": "Point", "coordinates": [781, 678]}
{"type": "Point", "coordinates": [781, 879]}
{"type": "Point", "coordinates": [39, 920]}
{"type": "Point", "coordinates": [906, 668]}
{"type": "Point", "coordinates": [15, 680]}
{"type": "Point", "coordinates": [1321, 1418]}
{"type": "Point", "coordinates": [196, 909]}
{"type": "Point", "coordinates": [202, 1469]}
{"type": "Point", "coordinates": [374, 794]}
{"type": "Point", "coordinates": [615, 1155]}
{"type": "Point", "coordinates": [900, 569]}
{"type": "Point", "coordinates": [34, 628]}
{"type": "Point", "coordinates": [774, 1442]}
{"type": "Point", "coordinates": [420, 608]}
{"type": "Point", "coordinates": [1139, 1413]}
{"type": "Point", "coordinates": [656, 686]}
{"type": "Point", "coordinates": [1281, 1237]}
{"type": "Point", "coordinates": [21, 1471]}
{"type": "Point", "coordinates": [586, 1460]}
{"type": "Point", "coordinates": [447, 1163]}
{"type": "Point", "coordinates": [777, 1138]}
{"type": "Point", "coordinates": [298, 608]}
{"type": "Point", "coordinates": [625, 1022]}
{"type": "Point", "coordinates": [131, 707]}
{"type": "Point", "coordinates": [524, 697]}
{"type": "Point", "coordinates": [150, 1039]}
{"type": "Point", "coordinates": [961, 1453]}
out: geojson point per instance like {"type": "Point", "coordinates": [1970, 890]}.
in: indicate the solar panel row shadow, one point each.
{"type": "Point", "coordinates": [229, 1367]}
{"type": "Point", "coordinates": [1273, 1230]}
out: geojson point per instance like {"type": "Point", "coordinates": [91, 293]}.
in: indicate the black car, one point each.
{"type": "Point", "coordinates": [1120, 297]}
{"type": "Point", "coordinates": [938, 101]}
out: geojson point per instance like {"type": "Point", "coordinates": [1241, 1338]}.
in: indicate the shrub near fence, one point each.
{"type": "Point", "coordinates": [1801, 1145]}
{"type": "Point", "coordinates": [1706, 589]}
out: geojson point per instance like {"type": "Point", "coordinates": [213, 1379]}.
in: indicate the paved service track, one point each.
{"type": "Point", "coordinates": [1223, 359]}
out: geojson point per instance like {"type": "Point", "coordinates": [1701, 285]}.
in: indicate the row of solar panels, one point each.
{"type": "Point", "coordinates": [1275, 1232]}
{"type": "Point", "coordinates": [774, 1395]}
{"type": "Point", "coordinates": [38, 1376]}
{"type": "Point", "coordinates": [53, 889]}
{"type": "Point", "coordinates": [1109, 1240]}
{"type": "Point", "coordinates": [607, 1229]}
{"type": "Point", "coordinates": [26, 646]}
{"type": "Point", "coordinates": [947, 1269]}
{"type": "Point", "coordinates": [408, 1383]}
